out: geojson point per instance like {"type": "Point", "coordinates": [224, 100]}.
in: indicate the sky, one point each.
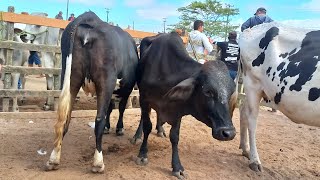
{"type": "Point", "coordinates": [148, 15]}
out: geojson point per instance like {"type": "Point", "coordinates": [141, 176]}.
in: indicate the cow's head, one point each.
{"type": "Point", "coordinates": [35, 33]}
{"type": "Point", "coordinates": [211, 94]}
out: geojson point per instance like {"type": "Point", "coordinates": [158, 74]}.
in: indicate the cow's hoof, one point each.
{"type": "Point", "coordinates": [180, 175]}
{"type": "Point", "coordinates": [256, 167]}
{"type": "Point", "coordinates": [120, 132]}
{"type": "Point", "coordinates": [98, 169]}
{"type": "Point", "coordinates": [106, 131]}
{"type": "Point", "coordinates": [135, 140]}
{"type": "Point", "coordinates": [246, 154]}
{"type": "Point", "coordinates": [161, 134]}
{"type": "Point", "coordinates": [141, 161]}
{"type": "Point", "coordinates": [51, 166]}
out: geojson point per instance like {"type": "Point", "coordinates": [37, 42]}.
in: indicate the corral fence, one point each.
{"type": "Point", "coordinates": [7, 20]}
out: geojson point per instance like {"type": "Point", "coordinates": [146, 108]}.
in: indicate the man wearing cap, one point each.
{"type": "Point", "coordinates": [230, 53]}
{"type": "Point", "coordinates": [258, 18]}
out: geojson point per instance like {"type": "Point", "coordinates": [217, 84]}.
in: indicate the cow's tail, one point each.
{"type": "Point", "coordinates": [234, 98]}
{"type": "Point", "coordinates": [64, 106]}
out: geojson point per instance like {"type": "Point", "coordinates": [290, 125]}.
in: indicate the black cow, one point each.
{"type": "Point", "coordinates": [94, 55]}
{"type": "Point", "coordinates": [175, 85]}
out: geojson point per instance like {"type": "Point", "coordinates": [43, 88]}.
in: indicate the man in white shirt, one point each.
{"type": "Point", "coordinates": [199, 40]}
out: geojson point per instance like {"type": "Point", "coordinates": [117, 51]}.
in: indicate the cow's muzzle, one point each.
{"type": "Point", "coordinates": [224, 133]}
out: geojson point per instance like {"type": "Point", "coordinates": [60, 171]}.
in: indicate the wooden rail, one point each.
{"type": "Point", "coordinates": [7, 43]}
{"type": "Point", "coordinates": [30, 47]}
{"type": "Point", "coordinates": [50, 22]}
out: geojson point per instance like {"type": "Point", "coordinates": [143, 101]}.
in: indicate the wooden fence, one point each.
{"type": "Point", "coordinates": [7, 43]}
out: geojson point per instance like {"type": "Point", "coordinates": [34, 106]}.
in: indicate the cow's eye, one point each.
{"type": "Point", "coordinates": [208, 93]}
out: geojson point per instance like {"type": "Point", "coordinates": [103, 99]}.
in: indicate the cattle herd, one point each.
{"type": "Point", "coordinates": [279, 65]}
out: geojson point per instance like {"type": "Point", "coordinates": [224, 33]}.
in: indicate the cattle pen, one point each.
{"type": "Point", "coordinates": [7, 43]}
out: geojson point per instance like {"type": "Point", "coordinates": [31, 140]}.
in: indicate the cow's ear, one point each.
{"type": "Point", "coordinates": [182, 91]}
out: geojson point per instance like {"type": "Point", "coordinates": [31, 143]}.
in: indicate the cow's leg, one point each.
{"type": "Point", "coordinates": [244, 143]}
{"type": "Point", "coordinates": [177, 168]}
{"type": "Point", "coordinates": [48, 62]}
{"type": "Point", "coordinates": [125, 94]}
{"type": "Point", "coordinates": [62, 125]}
{"type": "Point", "coordinates": [49, 79]}
{"type": "Point", "coordinates": [160, 130]}
{"type": "Point", "coordinates": [250, 112]}
{"type": "Point", "coordinates": [142, 158]}
{"type": "Point", "coordinates": [137, 136]}
{"type": "Point", "coordinates": [104, 94]}
{"type": "Point", "coordinates": [71, 86]}
{"type": "Point", "coordinates": [107, 127]}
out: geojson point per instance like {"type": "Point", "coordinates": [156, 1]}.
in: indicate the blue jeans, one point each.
{"type": "Point", "coordinates": [233, 74]}
{"type": "Point", "coordinates": [19, 84]}
{"type": "Point", "coordinates": [34, 58]}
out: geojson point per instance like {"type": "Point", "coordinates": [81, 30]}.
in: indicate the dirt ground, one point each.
{"type": "Point", "coordinates": [287, 150]}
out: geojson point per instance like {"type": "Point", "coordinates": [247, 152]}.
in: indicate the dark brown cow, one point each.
{"type": "Point", "coordinates": [94, 55]}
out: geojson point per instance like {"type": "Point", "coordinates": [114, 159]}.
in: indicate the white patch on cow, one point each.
{"type": "Point", "coordinates": [117, 88]}
{"type": "Point", "coordinates": [297, 63]}
{"type": "Point", "coordinates": [55, 156]}
{"type": "Point", "coordinates": [316, 57]}
{"type": "Point", "coordinates": [89, 87]}
{"type": "Point", "coordinates": [117, 84]}
{"type": "Point", "coordinates": [98, 161]}
{"type": "Point", "coordinates": [67, 75]}
{"type": "Point", "coordinates": [86, 39]}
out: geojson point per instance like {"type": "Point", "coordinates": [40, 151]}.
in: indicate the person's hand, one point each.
{"type": "Point", "coordinates": [205, 52]}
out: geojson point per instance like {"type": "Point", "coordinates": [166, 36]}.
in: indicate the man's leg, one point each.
{"type": "Point", "coordinates": [233, 74]}
{"type": "Point", "coordinates": [31, 59]}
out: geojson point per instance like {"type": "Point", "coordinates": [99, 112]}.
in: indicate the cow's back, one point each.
{"type": "Point", "coordinates": [284, 63]}
{"type": "Point", "coordinates": [164, 63]}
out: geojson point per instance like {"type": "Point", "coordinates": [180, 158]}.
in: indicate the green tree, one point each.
{"type": "Point", "coordinates": [215, 15]}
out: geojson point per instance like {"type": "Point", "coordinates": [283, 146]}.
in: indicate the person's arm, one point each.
{"type": "Point", "coordinates": [269, 19]}
{"type": "Point", "coordinates": [207, 45]}
{"type": "Point", "coordinates": [245, 25]}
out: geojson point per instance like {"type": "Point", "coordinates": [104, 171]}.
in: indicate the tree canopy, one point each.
{"type": "Point", "coordinates": [215, 15]}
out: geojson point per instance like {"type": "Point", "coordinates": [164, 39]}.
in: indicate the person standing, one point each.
{"type": "Point", "coordinates": [199, 41]}
{"type": "Point", "coordinates": [71, 18]}
{"type": "Point", "coordinates": [259, 17]}
{"type": "Point", "coordinates": [230, 53]}
{"type": "Point", "coordinates": [59, 16]}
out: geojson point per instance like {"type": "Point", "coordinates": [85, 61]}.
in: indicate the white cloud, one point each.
{"type": "Point", "coordinates": [313, 5]}
{"type": "Point", "coordinates": [139, 3]}
{"type": "Point", "coordinates": [306, 23]}
{"type": "Point", "coordinates": [158, 12]}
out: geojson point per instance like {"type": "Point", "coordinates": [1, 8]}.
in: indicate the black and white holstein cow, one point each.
{"type": "Point", "coordinates": [174, 85]}
{"type": "Point", "coordinates": [44, 35]}
{"type": "Point", "coordinates": [281, 65]}
{"type": "Point", "coordinates": [94, 55]}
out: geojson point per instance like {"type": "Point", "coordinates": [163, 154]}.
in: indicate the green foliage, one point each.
{"type": "Point", "coordinates": [215, 15]}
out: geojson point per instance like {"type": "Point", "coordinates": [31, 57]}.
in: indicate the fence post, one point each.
{"type": "Point", "coordinates": [56, 80]}
{"type": "Point", "coordinates": [8, 56]}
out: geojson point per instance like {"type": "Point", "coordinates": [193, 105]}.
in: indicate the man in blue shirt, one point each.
{"type": "Point", "coordinates": [259, 17]}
